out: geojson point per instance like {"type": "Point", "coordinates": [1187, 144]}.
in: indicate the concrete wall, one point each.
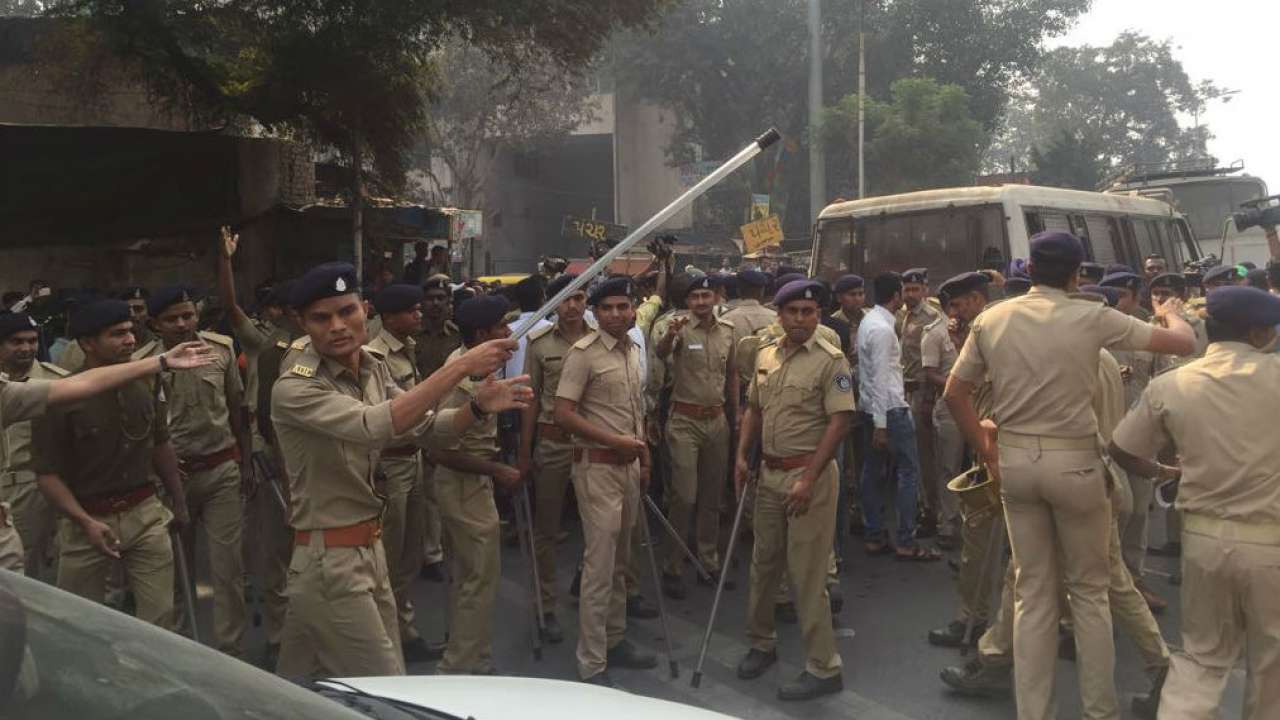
{"type": "Point", "coordinates": [646, 183]}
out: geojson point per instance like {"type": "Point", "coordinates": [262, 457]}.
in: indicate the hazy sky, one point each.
{"type": "Point", "coordinates": [1233, 43]}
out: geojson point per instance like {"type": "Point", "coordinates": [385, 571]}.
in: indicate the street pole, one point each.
{"type": "Point", "coordinates": [817, 168]}
{"type": "Point", "coordinates": [862, 97]}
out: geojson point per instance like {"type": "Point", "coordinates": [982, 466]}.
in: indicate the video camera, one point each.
{"type": "Point", "coordinates": [1263, 211]}
{"type": "Point", "coordinates": [662, 246]}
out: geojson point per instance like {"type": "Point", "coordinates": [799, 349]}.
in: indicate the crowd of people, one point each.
{"type": "Point", "coordinates": [339, 445]}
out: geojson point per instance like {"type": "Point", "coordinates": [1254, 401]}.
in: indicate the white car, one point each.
{"type": "Point", "coordinates": [64, 657]}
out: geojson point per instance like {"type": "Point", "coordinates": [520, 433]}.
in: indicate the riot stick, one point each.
{"type": "Point", "coordinates": [696, 681]}
{"type": "Point", "coordinates": [743, 157]}
{"type": "Point", "coordinates": [526, 549]}
{"type": "Point", "coordinates": [184, 576]}
{"type": "Point", "coordinates": [540, 618]}
{"type": "Point", "coordinates": [657, 586]}
{"type": "Point", "coordinates": [662, 520]}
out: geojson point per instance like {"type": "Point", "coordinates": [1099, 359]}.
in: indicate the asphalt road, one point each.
{"type": "Point", "coordinates": [891, 671]}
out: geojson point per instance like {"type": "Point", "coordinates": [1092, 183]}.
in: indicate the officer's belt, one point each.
{"type": "Point", "coordinates": [1046, 442]}
{"type": "Point", "coordinates": [1231, 530]}
{"type": "Point", "coordinates": [362, 534]}
{"type": "Point", "coordinates": [553, 432]}
{"type": "Point", "coordinates": [698, 412]}
{"type": "Point", "coordinates": [794, 462]}
{"type": "Point", "coordinates": [16, 477]}
{"type": "Point", "coordinates": [603, 456]}
{"type": "Point", "coordinates": [402, 451]}
{"type": "Point", "coordinates": [200, 463]}
{"type": "Point", "coordinates": [119, 502]}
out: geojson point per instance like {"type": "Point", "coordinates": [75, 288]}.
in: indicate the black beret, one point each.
{"type": "Point", "coordinates": [98, 316]}
{"type": "Point", "coordinates": [919, 276]}
{"type": "Point", "coordinates": [848, 282]}
{"type": "Point", "coordinates": [397, 298]}
{"type": "Point", "coordinates": [614, 287]}
{"type": "Point", "coordinates": [1124, 279]}
{"type": "Point", "coordinates": [167, 297]}
{"type": "Point", "coordinates": [1257, 277]}
{"type": "Point", "coordinates": [1092, 270]}
{"type": "Point", "coordinates": [1057, 246]}
{"type": "Point", "coordinates": [706, 282]}
{"type": "Point", "coordinates": [280, 293]}
{"type": "Point", "coordinates": [1114, 268]}
{"type": "Point", "coordinates": [800, 290]}
{"type": "Point", "coordinates": [328, 280]}
{"type": "Point", "coordinates": [134, 293]}
{"type": "Point", "coordinates": [753, 278]}
{"type": "Point", "coordinates": [560, 283]}
{"type": "Point", "coordinates": [11, 323]}
{"type": "Point", "coordinates": [479, 313]}
{"type": "Point", "coordinates": [1169, 280]}
{"type": "Point", "coordinates": [963, 283]}
{"type": "Point", "coordinates": [1106, 292]}
{"type": "Point", "coordinates": [1242, 306]}
{"type": "Point", "coordinates": [788, 278]}
{"type": "Point", "coordinates": [727, 281]}
{"type": "Point", "coordinates": [1017, 284]}
{"type": "Point", "coordinates": [1222, 273]}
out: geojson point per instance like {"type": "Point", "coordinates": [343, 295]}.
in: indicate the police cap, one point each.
{"type": "Point", "coordinates": [1017, 268]}
{"type": "Point", "coordinates": [560, 283]}
{"type": "Point", "coordinates": [1169, 280]}
{"type": "Point", "coordinates": [705, 282]}
{"type": "Point", "coordinates": [615, 287]}
{"type": "Point", "coordinates": [1056, 246]}
{"type": "Point", "coordinates": [11, 323]}
{"type": "Point", "coordinates": [1242, 306]}
{"type": "Point", "coordinates": [167, 297]}
{"type": "Point", "coordinates": [1107, 292]}
{"type": "Point", "coordinates": [397, 298]}
{"type": "Point", "coordinates": [280, 293]}
{"type": "Point", "coordinates": [1221, 274]}
{"type": "Point", "coordinates": [919, 276]}
{"type": "Point", "coordinates": [98, 316]}
{"type": "Point", "coordinates": [482, 312]}
{"type": "Point", "coordinates": [1114, 268]}
{"type": "Point", "coordinates": [753, 278]}
{"type": "Point", "coordinates": [439, 281]}
{"type": "Point", "coordinates": [800, 290]}
{"type": "Point", "coordinates": [1124, 280]}
{"type": "Point", "coordinates": [327, 280]}
{"type": "Point", "coordinates": [963, 283]}
{"type": "Point", "coordinates": [787, 278]}
{"type": "Point", "coordinates": [848, 282]}
{"type": "Point", "coordinates": [135, 293]}
{"type": "Point", "coordinates": [1092, 271]}
{"type": "Point", "coordinates": [1017, 284]}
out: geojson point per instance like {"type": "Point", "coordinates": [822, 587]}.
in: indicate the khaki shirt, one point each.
{"type": "Point", "coordinates": [400, 356]}
{"type": "Point", "coordinates": [1108, 397]}
{"type": "Point", "coordinates": [255, 337]}
{"type": "Point", "coordinates": [433, 348]}
{"type": "Point", "coordinates": [796, 391]}
{"type": "Point", "coordinates": [72, 357]}
{"type": "Point", "coordinates": [602, 375]}
{"type": "Point", "coordinates": [481, 439]}
{"type": "Point", "coordinates": [699, 362]}
{"type": "Point", "coordinates": [937, 350]}
{"type": "Point", "coordinates": [543, 363]}
{"type": "Point", "coordinates": [21, 401]}
{"type": "Point", "coordinates": [102, 445]}
{"type": "Point", "coordinates": [749, 317]}
{"type": "Point", "coordinates": [1217, 411]}
{"type": "Point", "coordinates": [331, 427]}
{"type": "Point", "coordinates": [1162, 363]}
{"type": "Point", "coordinates": [15, 440]}
{"type": "Point", "coordinates": [659, 375]}
{"type": "Point", "coordinates": [647, 312]}
{"type": "Point", "coordinates": [199, 414]}
{"type": "Point", "coordinates": [1040, 352]}
{"type": "Point", "coordinates": [911, 325]}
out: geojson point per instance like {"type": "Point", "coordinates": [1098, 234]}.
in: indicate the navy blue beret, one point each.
{"type": "Point", "coordinates": [788, 278]}
{"type": "Point", "coordinates": [753, 278]}
{"type": "Point", "coordinates": [98, 316]}
{"type": "Point", "coordinates": [134, 293]}
{"type": "Point", "coordinates": [167, 297]}
{"type": "Point", "coordinates": [615, 287]}
{"type": "Point", "coordinates": [706, 282]}
{"type": "Point", "coordinates": [800, 290]}
{"type": "Point", "coordinates": [280, 293]}
{"type": "Point", "coordinates": [397, 298]}
{"type": "Point", "coordinates": [963, 283]}
{"type": "Point", "coordinates": [11, 323]}
{"type": "Point", "coordinates": [327, 280]}
{"type": "Point", "coordinates": [1108, 293]}
{"type": "Point", "coordinates": [848, 282]}
{"type": "Point", "coordinates": [1124, 279]}
{"type": "Point", "coordinates": [1092, 270]}
{"type": "Point", "coordinates": [1017, 284]}
{"type": "Point", "coordinates": [1057, 246]}
{"type": "Point", "coordinates": [482, 312]}
{"type": "Point", "coordinates": [1243, 306]}
{"type": "Point", "coordinates": [1257, 277]}
{"type": "Point", "coordinates": [916, 275]}
{"type": "Point", "coordinates": [560, 283]}
{"type": "Point", "coordinates": [790, 270]}
{"type": "Point", "coordinates": [1169, 280]}
{"type": "Point", "coordinates": [1114, 268]}
{"type": "Point", "coordinates": [1221, 274]}
{"type": "Point", "coordinates": [729, 281]}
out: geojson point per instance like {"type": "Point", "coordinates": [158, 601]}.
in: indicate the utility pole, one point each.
{"type": "Point", "coordinates": [817, 167]}
{"type": "Point", "coordinates": [862, 96]}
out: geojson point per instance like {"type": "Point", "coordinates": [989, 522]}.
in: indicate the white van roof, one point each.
{"type": "Point", "coordinates": [1022, 195]}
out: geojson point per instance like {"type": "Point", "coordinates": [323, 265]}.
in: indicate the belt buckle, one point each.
{"type": "Point", "coordinates": [119, 505]}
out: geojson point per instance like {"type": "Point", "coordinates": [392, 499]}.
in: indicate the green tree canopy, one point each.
{"type": "Point", "coordinates": [1068, 160]}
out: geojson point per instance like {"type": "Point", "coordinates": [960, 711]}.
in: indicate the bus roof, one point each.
{"type": "Point", "coordinates": [1025, 195]}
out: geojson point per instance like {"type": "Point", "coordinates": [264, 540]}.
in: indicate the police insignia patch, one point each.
{"type": "Point", "coordinates": [303, 370]}
{"type": "Point", "coordinates": [843, 383]}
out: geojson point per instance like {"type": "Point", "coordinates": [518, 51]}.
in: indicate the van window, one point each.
{"type": "Point", "coordinates": [835, 248]}
{"type": "Point", "coordinates": [948, 241]}
{"type": "Point", "coordinates": [1103, 239]}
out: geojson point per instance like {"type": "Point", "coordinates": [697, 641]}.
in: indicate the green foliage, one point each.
{"type": "Point", "coordinates": [1069, 161]}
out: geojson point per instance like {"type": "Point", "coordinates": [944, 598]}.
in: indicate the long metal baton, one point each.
{"type": "Point", "coordinates": [662, 519]}
{"type": "Point", "coordinates": [540, 620]}
{"type": "Point", "coordinates": [657, 586]}
{"type": "Point", "coordinates": [527, 551]}
{"type": "Point", "coordinates": [737, 161]}
{"type": "Point", "coordinates": [188, 590]}
{"type": "Point", "coordinates": [715, 603]}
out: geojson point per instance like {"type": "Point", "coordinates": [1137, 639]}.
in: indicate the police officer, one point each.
{"type": "Point", "coordinates": [334, 409]}
{"type": "Point", "coordinates": [437, 342]}
{"type": "Point", "coordinates": [1040, 353]}
{"type": "Point", "coordinates": [699, 351]}
{"type": "Point", "coordinates": [599, 401]}
{"type": "Point", "coordinates": [1227, 491]}
{"type": "Point", "coordinates": [548, 465]}
{"type": "Point", "coordinates": [1221, 276]}
{"type": "Point", "coordinates": [94, 460]}
{"type": "Point", "coordinates": [937, 355]}
{"type": "Point", "coordinates": [913, 317]}
{"type": "Point", "coordinates": [1091, 273]}
{"type": "Point", "coordinates": [466, 471]}
{"type": "Point", "coordinates": [72, 357]}
{"type": "Point", "coordinates": [29, 512]}
{"type": "Point", "coordinates": [400, 468]}
{"type": "Point", "coordinates": [799, 408]}
{"type": "Point", "coordinates": [749, 317]}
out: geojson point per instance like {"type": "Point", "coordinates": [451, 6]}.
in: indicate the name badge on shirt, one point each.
{"type": "Point", "coordinates": [696, 346]}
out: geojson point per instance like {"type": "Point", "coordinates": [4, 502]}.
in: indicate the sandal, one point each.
{"type": "Point", "coordinates": [877, 548]}
{"type": "Point", "coordinates": [919, 553]}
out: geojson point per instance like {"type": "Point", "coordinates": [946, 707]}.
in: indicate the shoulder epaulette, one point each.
{"type": "Point", "coordinates": [217, 338]}
{"type": "Point", "coordinates": [586, 340]}
{"type": "Point", "coordinates": [376, 352]}
{"type": "Point", "coordinates": [768, 340]}
{"type": "Point", "coordinates": [722, 321]}
{"type": "Point", "coordinates": [305, 365]}
{"type": "Point", "coordinates": [451, 327]}
{"type": "Point", "coordinates": [538, 332]}
{"type": "Point", "coordinates": [146, 350]}
{"type": "Point", "coordinates": [54, 369]}
{"type": "Point", "coordinates": [832, 350]}
{"type": "Point", "coordinates": [301, 343]}
{"type": "Point", "coordinates": [281, 344]}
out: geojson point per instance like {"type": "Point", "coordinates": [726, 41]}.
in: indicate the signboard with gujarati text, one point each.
{"type": "Point", "coordinates": [593, 230]}
{"type": "Point", "coordinates": [762, 234]}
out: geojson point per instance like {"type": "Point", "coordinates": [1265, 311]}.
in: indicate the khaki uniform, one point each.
{"type": "Point", "coordinates": [748, 318]}
{"type": "Point", "coordinates": [102, 448]}
{"type": "Point", "coordinates": [19, 402]}
{"type": "Point", "coordinates": [698, 437]}
{"type": "Point", "coordinates": [1040, 353]}
{"type": "Point", "coordinates": [552, 452]}
{"type": "Point", "coordinates": [472, 533]}
{"type": "Point", "coordinates": [72, 357]}
{"type": "Point", "coordinates": [796, 391]}
{"type": "Point", "coordinates": [29, 513]}
{"type": "Point", "coordinates": [920, 397]}
{"type": "Point", "coordinates": [432, 349]}
{"type": "Point", "coordinates": [1165, 363]}
{"type": "Point", "coordinates": [937, 350]}
{"type": "Point", "coordinates": [602, 375]}
{"type": "Point", "coordinates": [1133, 524]}
{"type": "Point", "coordinates": [331, 427]}
{"type": "Point", "coordinates": [400, 475]}
{"type": "Point", "coordinates": [1229, 495]}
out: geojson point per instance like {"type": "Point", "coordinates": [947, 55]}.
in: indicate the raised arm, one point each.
{"type": "Point", "coordinates": [100, 379]}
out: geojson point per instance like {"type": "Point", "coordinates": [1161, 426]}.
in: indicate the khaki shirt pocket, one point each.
{"type": "Point", "coordinates": [796, 391]}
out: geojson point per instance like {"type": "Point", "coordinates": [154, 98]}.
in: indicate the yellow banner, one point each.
{"type": "Point", "coordinates": [762, 234]}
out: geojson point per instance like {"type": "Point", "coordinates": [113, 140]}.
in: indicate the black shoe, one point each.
{"type": "Point", "coordinates": [575, 586]}
{"type": "Point", "coordinates": [711, 582]}
{"type": "Point", "coordinates": [979, 679]}
{"type": "Point", "coordinates": [673, 587]}
{"type": "Point", "coordinates": [601, 678]}
{"type": "Point", "coordinates": [626, 655]}
{"type": "Point", "coordinates": [551, 630]}
{"type": "Point", "coordinates": [1067, 647]}
{"type": "Point", "coordinates": [927, 527]}
{"type": "Point", "coordinates": [836, 597]}
{"type": "Point", "coordinates": [1169, 549]}
{"type": "Point", "coordinates": [952, 635]}
{"type": "Point", "coordinates": [808, 687]}
{"type": "Point", "coordinates": [419, 650]}
{"type": "Point", "coordinates": [640, 609]}
{"type": "Point", "coordinates": [755, 663]}
{"type": "Point", "coordinates": [1147, 706]}
{"type": "Point", "coordinates": [433, 572]}
{"type": "Point", "coordinates": [785, 612]}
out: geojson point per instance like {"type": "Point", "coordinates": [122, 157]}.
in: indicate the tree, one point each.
{"type": "Point", "coordinates": [924, 137]}
{"type": "Point", "coordinates": [1068, 160]}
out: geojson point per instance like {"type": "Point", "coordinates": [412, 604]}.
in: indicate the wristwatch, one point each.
{"type": "Point", "coordinates": [164, 364]}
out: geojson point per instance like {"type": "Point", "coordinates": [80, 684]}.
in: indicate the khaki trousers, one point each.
{"type": "Point", "coordinates": [12, 555]}
{"type": "Point", "coordinates": [974, 579]}
{"type": "Point", "coordinates": [432, 529]}
{"type": "Point", "coordinates": [802, 547]}
{"type": "Point", "coordinates": [214, 503]}
{"type": "Point", "coordinates": [341, 620]}
{"type": "Point", "coordinates": [555, 464]}
{"type": "Point", "coordinates": [471, 530]}
{"type": "Point", "coordinates": [699, 454]}
{"type": "Point", "coordinates": [1230, 608]}
{"type": "Point", "coordinates": [1133, 526]}
{"type": "Point", "coordinates": [949, 462]}
{"type": "Point", "coordinates": [925, 440]}
{"type": "Point", "coordinates": [402, 523]}
{"type": "Point", "coordinates": [274, 545]}
{"type": "Point", "coordinates": [33, 517]}
{"type": "Point", "coordinates": [146, 553]}
{"type": "Point", "coordinates": [609, 501]}
{"type": "Point", "coordinates": [1059, 518]}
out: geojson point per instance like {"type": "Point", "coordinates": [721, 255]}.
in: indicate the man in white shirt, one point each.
{"type": "Point", "coordinates": [528, 294]}
{"type": "Point", "coordinates": [889, 423]}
